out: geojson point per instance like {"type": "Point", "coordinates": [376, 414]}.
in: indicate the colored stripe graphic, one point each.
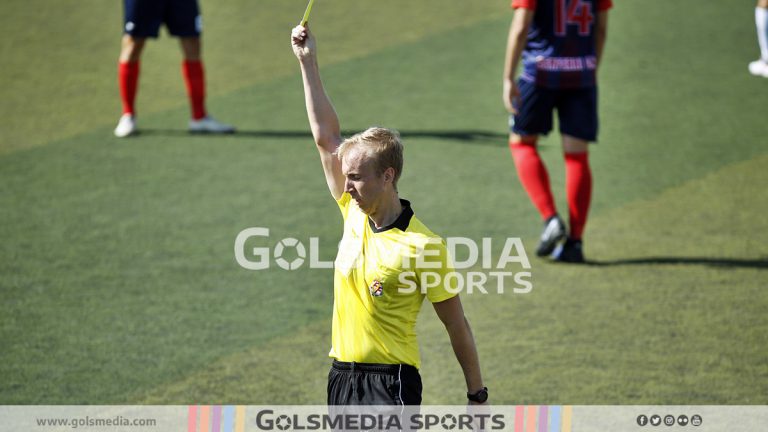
{"type": "Point", "coordinates": [519, 418]}
{"type": "Point", "coordinates": [530, 418]}
{"type": "Point", "coordinates": [543, 413]}
{"type": "Point", "coordinates": [192, 419]}
{"type": "Point", "coordinates": [229, 419]}
{"type": "Point", "coordinates": [554, 415]}
{"type": "Point", "coordinates": [240, 418]}
{"type": "Point", "coordinates": [567, 415]}
{"type": "Point", "coordinates": [205, 418]}
{"type": "Point", "coordinates": [216, 422]}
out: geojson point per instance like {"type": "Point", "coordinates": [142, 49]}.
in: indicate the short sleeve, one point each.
{"type": "Point", "coordinates": [436, 269]}
{"type": "Point", "coordinates": [604, 5]}
{"type": "Point", "coordinates": [524, 4]}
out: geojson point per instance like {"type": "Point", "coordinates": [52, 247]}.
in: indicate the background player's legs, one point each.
{"type": "Point", "coordinates": [578, 183]}
{"type": "Point", "coordinates": [578, 186]}
{"type": "Point", "coordinates": [535, 180]}
{"type": "Point", "coordinates": [128, 80]}
{"type": "Point", "coordinates": [131, 48]}
{"type": "Point", "coordinates": [532, 173]}
{"type": "Point", "coordinates": [128, 71]}
{"type": "Point", "coordinates": [194, 77]}
{"type": "Point", "coordinates": [577, 112]}
{"type": "Point", "coordinates": [760, 67]}
{"type": "Point", "coordinates": [191, 48]}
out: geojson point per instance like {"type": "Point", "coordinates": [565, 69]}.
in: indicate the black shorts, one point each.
{"type": "Point", "coordinates": [576, 111]}
{"type": "Point", "coordinates": [373, 384]}
{"type": "Point", "coordinates": [143, 17]}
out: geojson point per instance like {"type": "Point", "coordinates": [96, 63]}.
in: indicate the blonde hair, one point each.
{"type": "Point", "coordinates": [380, 144]}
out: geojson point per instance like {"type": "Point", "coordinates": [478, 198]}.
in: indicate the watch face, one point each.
{"type": "Point", "coordinates": [481, 396]}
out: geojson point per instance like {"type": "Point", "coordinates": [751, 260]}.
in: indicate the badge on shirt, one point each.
{"type": "Point", "coordinates": [376, 288]}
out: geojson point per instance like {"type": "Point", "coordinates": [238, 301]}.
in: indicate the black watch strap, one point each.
{"type": "Point", "coordinates": [480, 396]}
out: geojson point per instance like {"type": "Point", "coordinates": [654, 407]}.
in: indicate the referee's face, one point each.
{"type": "Point", "coordinates": [366, 186]}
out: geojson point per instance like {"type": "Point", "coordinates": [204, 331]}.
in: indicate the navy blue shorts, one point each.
{"type": "Point", "coordinates": [143, 17]}
{"type": "Point", "coordinates": [576, 111]}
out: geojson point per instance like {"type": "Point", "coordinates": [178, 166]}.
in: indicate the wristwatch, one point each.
{"type": "Point", "coordinates": [480, 396]}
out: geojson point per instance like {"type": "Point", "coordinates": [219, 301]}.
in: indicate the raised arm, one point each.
{"type": "Point", "coordinates": [518, 32]}
{"type": "Point", "coordinates": [322, 117]}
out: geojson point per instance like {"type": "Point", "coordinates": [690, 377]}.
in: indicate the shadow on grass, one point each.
{"type": "Point", "coordinates": [480, 136]}
{"type": "Point", "coordinates": [704, 261]}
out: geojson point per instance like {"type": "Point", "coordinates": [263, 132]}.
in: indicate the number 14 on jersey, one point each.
{"type": "Point", "coordinates": [573, 12]}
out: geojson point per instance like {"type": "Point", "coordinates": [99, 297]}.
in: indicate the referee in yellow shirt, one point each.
{"type": "Point", "coordinates": [383, 257]}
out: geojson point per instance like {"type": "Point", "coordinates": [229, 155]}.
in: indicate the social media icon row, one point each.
{"type": "Point", "coordinates": [669, 420]}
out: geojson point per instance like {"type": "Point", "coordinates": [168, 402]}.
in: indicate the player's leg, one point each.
{"type": "Point", "coordinates": [577, 111]}
{"type": "Point", "coordinates": [141, 20]}
{"type": "Point", "coordinates": [532, 173]}
{"type": "Point", "coordinates": [194, 75]}
{"type": "Point", "coordinates": [760, 67]}
{"type": "Point", "coordinates": [191, 48]}
{"type": "Point", "coordinates": [184, 21]}
{"type": "Point", "coordinates": [128, 71]}
{"type": "Point", "coordinates": [131, 48]}
{"type": "Point", "coordinates": [578, 183]}
{"type": "Point", "coordinates": [534, 117]}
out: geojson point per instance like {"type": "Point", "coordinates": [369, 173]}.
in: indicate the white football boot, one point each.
{"type": "Point", "coordinates": [209, 124]}
{"type": "Point", "coordinates": [759, 68]}
{"type": "Point", "coordinates": [126, 126]}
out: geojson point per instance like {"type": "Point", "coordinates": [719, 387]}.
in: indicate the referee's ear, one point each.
{"type": "Point", "coordinates": [389, 175]}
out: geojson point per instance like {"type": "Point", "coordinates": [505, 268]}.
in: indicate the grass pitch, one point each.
{"type": "Point", "coordinates": [117, 277]}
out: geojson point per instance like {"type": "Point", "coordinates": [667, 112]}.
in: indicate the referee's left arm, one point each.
{"type": "Point", "coordinates": [451, 314]}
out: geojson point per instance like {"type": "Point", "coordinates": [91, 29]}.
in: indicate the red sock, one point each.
{"type": "Point", "coordinates": [578, 187]}
{"type": "Point", "coordinates": [195, 79]}
{"type": "Point", "coordinates": [534, 178]}
{"type": "Point", "coordinates": [128, 80]}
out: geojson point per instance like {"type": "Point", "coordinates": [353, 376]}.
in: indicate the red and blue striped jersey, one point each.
{"type": "Point", "coordinates": [560, 48]}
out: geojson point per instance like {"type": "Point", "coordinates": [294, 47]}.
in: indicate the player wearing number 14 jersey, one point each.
{"type": "Point", "coordinates": [560, 43]}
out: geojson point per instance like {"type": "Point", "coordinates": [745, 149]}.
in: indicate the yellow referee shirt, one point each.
{"type": "Point", "coordinates": [375, 304]}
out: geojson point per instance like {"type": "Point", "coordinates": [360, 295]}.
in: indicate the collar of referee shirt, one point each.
{"type": "Point", "coordinates": [400, 223]}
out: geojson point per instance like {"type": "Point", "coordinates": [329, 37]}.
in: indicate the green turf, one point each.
{"type": "Point", "coordinates": [118, 282]}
